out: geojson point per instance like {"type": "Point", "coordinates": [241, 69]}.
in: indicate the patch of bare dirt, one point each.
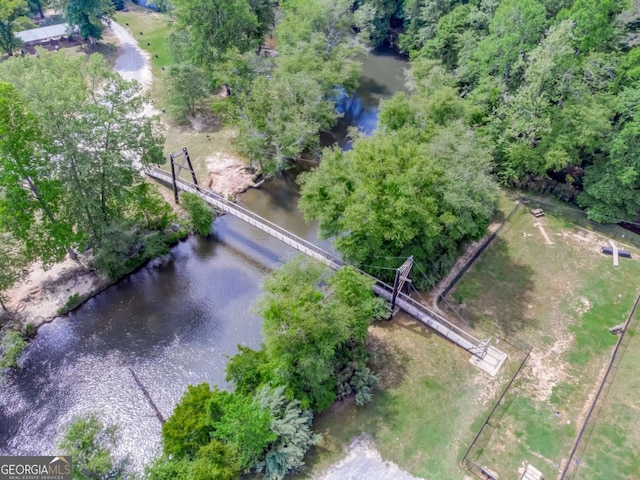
{"type": "Point", "coordinates": [37, 298]}
{"type": "Point", "coordinates": [583, 306]}
{"type": "Point", "coordinates": [546, 367]}
{"type": "Point", "coordinates": [228, 175]}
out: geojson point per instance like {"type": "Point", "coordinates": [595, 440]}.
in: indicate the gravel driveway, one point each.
{"type": "Point", "coordinates": [132, 62]}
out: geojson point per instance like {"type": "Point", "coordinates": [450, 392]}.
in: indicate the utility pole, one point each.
{"type": "Point", "coordinates": [403, 275]}
{"type": "Point", "coordinates": [184, 156]}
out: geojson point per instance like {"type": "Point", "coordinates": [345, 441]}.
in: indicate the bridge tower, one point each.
{"type": "Point", "coordinates": [183, 156]}
{"type": "Point", "coordinates": [403, 276]}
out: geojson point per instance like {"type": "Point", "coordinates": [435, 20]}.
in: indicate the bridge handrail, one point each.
{"type": "Point", "coordinates": [249, 213]}
{"type": "Point", "coordinates": [438, 317]}
{"type": "Point", "coordinates": [384, 288]}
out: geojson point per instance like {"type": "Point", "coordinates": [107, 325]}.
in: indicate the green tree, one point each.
{"type": "Point", "coordinates": [213, 461]}
{"type": "Point", "coordinates": [13, 263]}
{"type": "Point", "coordinates": [248, 370]}
{"type": "Point", "coordinates": [309, 315]}
{"type": "Point", "coordinates": [314, 40]}
{"type": "Point", "coordinates": [89, 15]}
{"type": "Point", "coordinates": [98, 137]}
{"type": "Point", "coordinates": [393, 197]}
{"type": "Point", "coordinates": [561, 112]}
{"type": "Point", "coordinates": [421, 20]}
{"type": "Point", "coordinates": [595, 23]}
{"type": "Point", "coordinates": [189, 426]}
{"type": "Point", "coordinates": [293, 429]}
{"type": "Point", "coordinates": [245, 426]}
{"type": "Point", "coordinates": [12, 13]}
{"type": "Point", "coordinates": [216, 26]}
{"type": "Point", "coordinates": [12, 343]}
{"type": "Point", "coordinates": [91, 445]}
{"type": "Point", "coordinates": [200, 212]}
{"type": "Point", "coordinates": [449, 40]}
{"type": "Point", "coordinates": [516, 27]}
{"type": "Point", "coordinates": [36, 6]}
{"type": "Point", "coordinates": [280, 118]}
{"type": "Point", "coordinates": [31, 198]}
{"type": "Point", "coordinates": [612, 182]}
{"type": "Point", "coordinates": [187, 88]}
{"type": "Point", "coordinates": [374, 17]}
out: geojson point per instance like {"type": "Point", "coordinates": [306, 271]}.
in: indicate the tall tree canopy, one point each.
{"type": "Point", "coordinates": [542, 81]}
{"type": "Point", "coordinates": [216, 26]}
{"type": "Point", "coordinates": [419, 186]}
{"type": "Point", "coordinates": [12, 18]}
{"type": "Point", "coordinates": [280, 116]}
{"type": "Point", "coordinates": [83, 155]}
{"type": "Point", "coordinates": [315, 320]}
{"type": "Point", "coordinates": [31, 199]}
{"type": "Point", "coordinates": [89, 15]}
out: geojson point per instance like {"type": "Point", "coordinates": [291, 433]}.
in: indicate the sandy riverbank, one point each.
{"type": "Point", "coordinates": [38, 298]}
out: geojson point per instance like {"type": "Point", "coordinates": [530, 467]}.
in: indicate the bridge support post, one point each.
{"type": "Point", "coordinates": [403, 275]}
{"type": "Point", "coordinates": [173, 179]}
{"type": "Point", "coordinates": [185, 157]}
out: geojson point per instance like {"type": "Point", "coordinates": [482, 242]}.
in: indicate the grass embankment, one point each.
{"type": "Point", "coordinates": [204, 140]}
{"type": "Point", "coordinates": [544, 280]}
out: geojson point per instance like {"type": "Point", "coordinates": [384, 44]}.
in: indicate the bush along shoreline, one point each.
{"type": "Point", "coordinates": [154, 245]}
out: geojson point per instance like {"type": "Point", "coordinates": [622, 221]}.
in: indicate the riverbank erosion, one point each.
{"type": "Point", "coordinates": [45, 293]}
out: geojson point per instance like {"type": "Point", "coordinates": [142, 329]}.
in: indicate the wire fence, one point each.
{"type": "Point", "coordinates": [475, 459]}
{"type": "Point", "coordinates": [574, 461]}
{"type": "Point", "coordinates": [485, 243]}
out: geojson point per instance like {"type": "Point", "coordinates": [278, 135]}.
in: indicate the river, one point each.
{"type": "Point", "coordinates": [173, 324]}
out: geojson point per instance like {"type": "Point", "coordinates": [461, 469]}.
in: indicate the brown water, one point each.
{"type": "Point", "coordinates": [174, 325]}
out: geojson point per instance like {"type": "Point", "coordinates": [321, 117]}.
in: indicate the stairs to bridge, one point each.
{"type": "Point", "coordinates": [486, 356]}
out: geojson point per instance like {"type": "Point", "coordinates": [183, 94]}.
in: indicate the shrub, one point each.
{"type": "Point", "coordinates": [30, 330]}
{"type": "Point", "coordinates": [11, 345]}
{"type": "Point", "coordinates": [200, 212]}
{"type": "Point", "coordinates": [90, 443]}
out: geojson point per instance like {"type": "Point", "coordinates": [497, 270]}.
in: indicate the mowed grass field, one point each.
{"type": "Point", "coordinates": [431, 403]}
{"type": "Point", "coordinates": [201, 142]}
{"type": "Point", "coordinates": [544, 281]}
{"type": "Point", "coordinates": [612, 441]}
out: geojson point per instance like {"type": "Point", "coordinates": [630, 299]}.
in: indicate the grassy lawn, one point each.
{"type": "Point", "coordinates": [431, 404]}
{"type": "Point", "coordinates": [612, 448]}
{"type": "Point", "coordinates": [544, 281]}
{"type": "Point", "coordinates": [204, 140]}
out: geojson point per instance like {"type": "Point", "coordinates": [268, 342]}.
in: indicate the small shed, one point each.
{"type": "Point", "coordinates": [537, 212]}
{"type": "Point", "coordinates": [36, 35]}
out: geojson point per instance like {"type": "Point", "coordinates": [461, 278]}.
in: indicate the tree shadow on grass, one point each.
{"type": "Point", "coordinates": [496, 293]}
{"type": "Point", "coordinates": [388, 360]}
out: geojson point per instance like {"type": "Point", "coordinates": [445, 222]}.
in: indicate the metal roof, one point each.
{"type": "Point", "coordinates": [42, 33]}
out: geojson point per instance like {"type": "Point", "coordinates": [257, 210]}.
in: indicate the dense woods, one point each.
{"type": "Point", "coordinates": [537, 94]}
